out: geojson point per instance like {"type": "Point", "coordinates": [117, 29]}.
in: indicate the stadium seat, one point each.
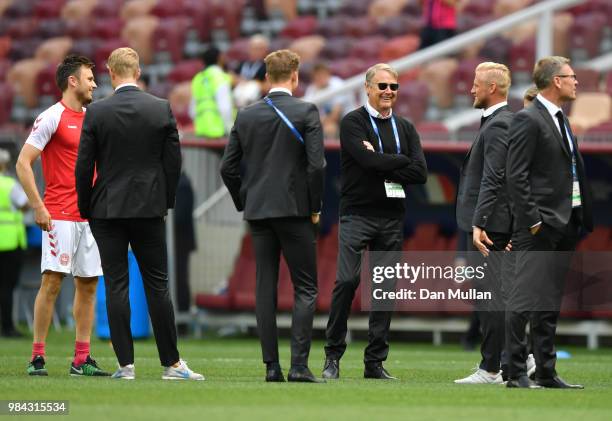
{"type": "Point", "coordinates": [368, 48]}
{"type": "Point", "coordinates": [396, 26]}
{"type": "Point", "coordinates": [21, 28]}
{"type": "Point", "coordinates": [19, 8]}
{"type": "Point", "coordinates": [51, 27]}
{"type": "Point", "coordinates": [54, 50]}
{"type": "Point", "coordinates": [184, 71]}
{"type": "Point", "coordinates": [85, 47]}
{"type": "Point", "coordinates": [22, 77]}
{"type": "Point", "coordinates": [169, 8]}
{"type": "Point", "coordinates": [590, 109]}
{"type": "Point", "coordinates": [138, 34]}
{"type": "Point", "coordinates": [413, 101]}
{"type": "Point", "coordinates": [224, 17]}
{"type": "Point", "coordinates": [22, 48]}
{"type": "Point", "coordinates": [286, 9]}
{"type": "Point", "coordinates": [506, 7]}
{"type": "Point", "coordinates": [169, 37]}
{"type": "Point", "coordinates": [477, 7]}
{"type": "Point", "coordinates": [347, 67]}
{"type": "Point", "coordinates": [588, 80]}
{"type": "Point", "coordinates": [399, 47]}
{"type": "Point", "coordinates": [300, 27]}
{"type": "Point", "coordinates": [381, 10]}
{"type": "Point", "coordinates": [107, 8]}
{"type": "Point", "coordinates": [336, 47]}
{"type": "Point", "coordinates": [437, 74]}
{"type": "Point", "coordinates": [332, 27]}
{"type": "Point", "coordinates": [78, 10]}
{"type": "Point", "coordinates": [308, 48]}
{"type": "Point", "coordinates": [107, 28]}
{"type": "Point", "coordinates": [237, 52]}
{"type": "Point", "coordinates": [522, 59]}
{"type": "Point", "coordinates": [46, 86]}
{"type": "Point", "coordinates": [496, 49]}
{"type": "Point", "coordinates": [354, 8]}
{"type": "Point", "coordinates": [586, 35]}
{"type": "Point", "coordinates": [6, 102]}
{"type": "Point", "coordinates": [48, 8]}
{"type": "Point", "coordinates": [360, 27]}
{"type": "Point", "coordinates": [463, 79]}
{"type": "Point", "coordinates": [180, 99]}
{"type": "Point", "coordinates": [136, 8]}
{"type": "Point", "coordinates": [102, 51]}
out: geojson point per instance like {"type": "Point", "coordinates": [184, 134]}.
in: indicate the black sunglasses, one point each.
{"type": "Point", "coordinates": [392, 86]}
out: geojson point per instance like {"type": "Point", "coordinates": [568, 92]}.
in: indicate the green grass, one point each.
{"type": "Point", "coordinates": [234, 386]}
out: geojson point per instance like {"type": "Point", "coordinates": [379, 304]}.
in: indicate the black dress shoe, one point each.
{"type": "Point", "coordinates": [302, 374]}
{"type": "Point", "coordinates": [557, 383]}
{"type": "Point", "coordinates": [331, 370]}
{"type": "Point", "coordinates": [377, 372]}
{"type": "Point", "coordinates": [274, 373]}
{"type": "Point", "coordinates": [522, 382]}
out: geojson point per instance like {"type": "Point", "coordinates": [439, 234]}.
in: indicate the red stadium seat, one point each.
{"type": "Point", "coordinates": [368, 48]}
{"type": "Point", "coordinates": [401, 25]}
{"type": "Point", "coordinates": [599, 133]}
{"type": "Point", "coordinates": [360, 27]}
{"type": "Point", "coordinates": [169, 37]}
{"type": "Point", "coordinates": [587, 32]}
{"type": "Point", "coordinates": [107, 8]}
{"type": "Point", "coordinates": [21, 28]}
{"type": "Point", "coordinates": [399, 47]}
{"type": "Point", "coordinates": [103, 50]}
{"type": "Point", "coordinates": [107, 28]}
{"type": "Point", "coordinates": [225, 16]}
{"type": "Point", "coordinates": [478, 7]}
{"type": "Point", "coordinates": [333, 26]}
{"type": "Point", "coordinates": [413, 101]}
{"type": "Point", "coordinates": [48, 8]}
{"type": "Point", "coordinates": [237, 52]}
{"type": "Point", "coordinates": [522, 57]}
{"type": "Point", "coordinates": [354, 8]}
{"type": "Point", "coordinates": [184, 71]}
{"type": "Point", "coordinates": [588, 79]}
{"type": "Point", "coordinates": [300, 27]}
{"type": "Point", "coordinates": [6, 102]}
{"type": "Point", "coordinates": [463, 78]}
{"type": "Point", "coordinates": [336, 47]}
{"type": "Point", "coordinates": [169, 8]}
{"type": "Point", "coordinates": [45, 84]}
{"type": "Point", "coordinates": [51, 28]}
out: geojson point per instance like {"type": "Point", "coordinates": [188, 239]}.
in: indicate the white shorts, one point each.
{"type": "Point", "coordinates": [70, 248]}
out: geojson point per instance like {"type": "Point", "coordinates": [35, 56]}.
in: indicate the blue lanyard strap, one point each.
{"type": "Point", "coordinates": [285, 119]}
{"type": "Point", "coordinates": [395, 133]}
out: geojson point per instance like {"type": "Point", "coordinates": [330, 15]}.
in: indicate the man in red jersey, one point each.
{"type": "Point", "coordinates": [68, 245]}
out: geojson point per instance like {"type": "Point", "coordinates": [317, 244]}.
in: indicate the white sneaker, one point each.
{"type": "Point", "coordinates": [481, 376]}
{"type": "Point", "coordinates": [182, 372]}
{"type": "Point", "coordinates": [531, 365]}
{"type": "Point", "coordinates": [126, 373]}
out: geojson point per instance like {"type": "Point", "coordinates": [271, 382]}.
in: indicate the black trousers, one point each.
{"type": "Point", "coordinates": [356, 234]}
{"type": "Point", "coordinates": [296, 239]}
{"type": "Point", "coordinates": [10, 268]}
{"type": "Point", "coordinates": [491, 314]}
{"type": "Point", "coordinates": [147, 236]}
{"type": "Point", "coordinates": [535, 296]}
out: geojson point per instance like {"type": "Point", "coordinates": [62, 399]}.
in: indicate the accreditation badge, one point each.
{"type": "Point", "coordinates": [576, 195]}
{"type": "Point", "coordinates": [394, 190]}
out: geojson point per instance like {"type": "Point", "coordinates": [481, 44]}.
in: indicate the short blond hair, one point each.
{"type": "Point", "coordinates": [124, 62]}
{"type": "Point", "coordinates": [377, 68]}
{"type": "Point", "coordinates": [280, 64]}
{"type": "Point", "coordinates": [496, 73]}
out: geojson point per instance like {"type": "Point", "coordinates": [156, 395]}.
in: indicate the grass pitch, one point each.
{"type": "Point", "coordinates": [234, 388]}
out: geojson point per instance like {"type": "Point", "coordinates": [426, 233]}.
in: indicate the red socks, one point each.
{"type": "Point", "coordinates": [81, 351]}
{"type": "Point", "coordinates": [38, 348]}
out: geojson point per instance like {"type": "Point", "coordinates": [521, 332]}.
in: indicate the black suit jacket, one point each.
{"type": "Point", "coordinates": [539, 172]}
{"type": "Point", "coordinates": [283, 177]}
{"type": "Point", "coordinates": [131, 140]}
{"type": "Point", "coordinates": [482, 199]}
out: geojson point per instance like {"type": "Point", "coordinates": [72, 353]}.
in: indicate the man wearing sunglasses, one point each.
{"type": "Point", "coordinates": [551, 203]}
{"type": "Point", "coordinates": [381, 154]}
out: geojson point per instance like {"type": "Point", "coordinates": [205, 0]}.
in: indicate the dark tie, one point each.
{"type": "Point", "coordinates": [563, 131]}
{"type": "Point", "coordinates": [483, 120]}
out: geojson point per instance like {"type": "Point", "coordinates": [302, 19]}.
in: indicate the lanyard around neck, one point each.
{"type": "Point", "coordinates": [285, 119]}
{"type": "Point", "coordinates": [395, 133]}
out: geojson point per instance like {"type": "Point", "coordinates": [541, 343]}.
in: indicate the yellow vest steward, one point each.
{"type": "Point", "coordinates": [204, 86]}
{"type": "Point", "coordinates": [12, 230]}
